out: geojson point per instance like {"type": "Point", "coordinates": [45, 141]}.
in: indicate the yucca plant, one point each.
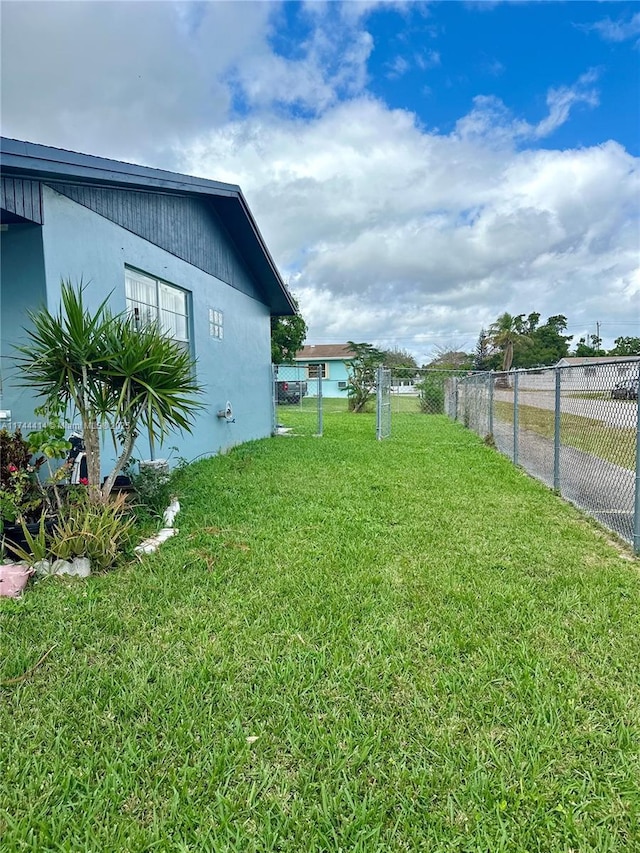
{"type": "Point", "coordinates": [113, 375]}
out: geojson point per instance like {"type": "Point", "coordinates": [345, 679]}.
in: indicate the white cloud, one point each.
{"type": "Point", "coordinates": [122, 79]}
{"type": "Point", "coordinates": [398, 67]}
{"type": "Point", "coordinates": [491, 119]}
{"type": "Point", "coordinates": [315, 80]}
{"type": "Point", "coordinates": [389, 233]}
{"type": "Point", "coordinates": [430, 59]}
{"type": "Point", "coordinates": [562, 99]}
{"type": "Point", "coordinates": [618, 31]}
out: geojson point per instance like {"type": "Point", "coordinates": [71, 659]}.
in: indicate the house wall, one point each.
{"type": "Point", "coordinates": [22, 287]}
{"type": "Point", "coordinates": [81, 245]}
{"type": "Point", "coordinates": [337, 372]}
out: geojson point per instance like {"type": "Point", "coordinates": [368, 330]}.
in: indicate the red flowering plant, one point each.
{"type": "Point", "coordinates": [23, 496]}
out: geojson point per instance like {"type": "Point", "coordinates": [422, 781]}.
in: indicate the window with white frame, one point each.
{"type": "Point", "coordinates": [216, 324]}
{"type": "Point", "coordinates": [151, 299]}
{"type": "Point", "coordinates": [321, 369]}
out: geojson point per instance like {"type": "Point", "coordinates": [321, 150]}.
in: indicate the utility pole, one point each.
{"type": "Point", "coordinates": [598, 332]}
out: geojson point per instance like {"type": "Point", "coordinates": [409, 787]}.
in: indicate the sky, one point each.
{"type": "Point", "coordinates": [416, 168]}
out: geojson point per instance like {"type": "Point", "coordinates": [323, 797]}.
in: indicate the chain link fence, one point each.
{"type": "Point", "coordinates": [297, 400]}
{"type": "Point", "coordinates": [574, 427]}
{"type": "Point", "coordinates": [383, 403]}
{"type": "Point", "coordinates": [421, 390]}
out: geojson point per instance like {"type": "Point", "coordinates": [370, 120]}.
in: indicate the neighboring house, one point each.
{"type": "Point", "coordinates": [597, 373]}
{"type": "Point", "coordinates": [583, 363]}
{"type": "Point", "coordinates": [181, 249]}
{"type": "Point", "coordinates": [329, 361]}
{"type": "Point", "coordinates": [582, 373]}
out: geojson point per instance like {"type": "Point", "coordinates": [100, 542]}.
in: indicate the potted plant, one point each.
{"type": "Point", "coordinates": [13, 578]}
{"type": "Point", "coordinates": [15, 575]}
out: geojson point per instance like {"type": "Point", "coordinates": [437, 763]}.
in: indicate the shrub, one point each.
{"type": "Point", "coordinates": [20, 493]}
{"type": "Point", "coordinates": [154, 488]}
{"type": "Point", "coordinates": [431, 394]}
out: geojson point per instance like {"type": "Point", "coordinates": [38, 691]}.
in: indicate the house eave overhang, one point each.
{"type": "Point", "coordinates": [43, 163]}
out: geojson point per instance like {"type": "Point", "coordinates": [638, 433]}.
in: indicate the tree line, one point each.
{"type": "Point", "coordinates": [521, 341]}
{"type": "Point", "coordinates": [511, 341]}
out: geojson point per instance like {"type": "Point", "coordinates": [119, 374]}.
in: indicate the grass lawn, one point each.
{"type": "Point", "coordinates": [353, 645]}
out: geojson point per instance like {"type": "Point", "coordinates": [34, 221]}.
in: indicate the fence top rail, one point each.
{"type": "Point", "coordinates": [600, 366]}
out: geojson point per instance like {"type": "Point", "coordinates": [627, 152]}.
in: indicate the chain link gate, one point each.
{"type": "Point", "coordinates": [383, 403]}
{"type": "Point", "coordinates": [297, 399]}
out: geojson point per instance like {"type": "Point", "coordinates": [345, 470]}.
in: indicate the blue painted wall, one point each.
{"type": "Point", "coordinates": [79, 244]}
{"type": "Point", "coordinates": [22, 287]}
{"type": "Point", "coordinates": [336, 372]}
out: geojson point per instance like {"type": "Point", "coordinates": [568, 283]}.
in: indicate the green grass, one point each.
{"type": "Point", "coordinates": [615, 444]}
{"type": "Point", "coordinates": [433, 652]}
{"type": "Point", "coordinates": [303, 417]}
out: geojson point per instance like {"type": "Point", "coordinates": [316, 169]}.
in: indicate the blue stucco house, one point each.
{"type": "Point", "coordinates": [329, 361]}
{"type": "Point", "coordinates": [181, 249]}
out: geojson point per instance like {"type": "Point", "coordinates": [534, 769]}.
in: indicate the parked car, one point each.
{"type": "Point", "coordinates": [626, 390]}
{"type": "Point", "coordinates": [288, 391]}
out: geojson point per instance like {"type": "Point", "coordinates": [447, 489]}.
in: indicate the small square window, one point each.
{"type": "Point", "coordinates": [317, 371]}
{"type": "Point", "coordinates": [216, 324]}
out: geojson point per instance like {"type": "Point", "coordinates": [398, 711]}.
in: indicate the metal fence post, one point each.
{"type": "Point", "coordinates": [320, 423]}
{"type": "Point", "coordinates": [516, 425]}
{"type": "Point", "coordinates": [455, 398]}
{"type": "Point", "coordinates": [379, 403]}
{"type": "Point", "coordinates": [491, 402]}
{"type": "Point", "coordinates": [636, 506]}
{"type": "Point", "coordinates": [556, 433]}
{"type": "Point", "coordinates": [274, 397]}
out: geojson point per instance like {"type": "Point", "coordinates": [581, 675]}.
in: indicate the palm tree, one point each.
{"type": "Point", "coordinates": [114, 375]}
{"type": "Point", "coordinates": [504, 334]}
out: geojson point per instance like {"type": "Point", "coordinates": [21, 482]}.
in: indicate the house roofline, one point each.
{"type": "Point", "coordinates": [43, 162]}
{"type": "Point", "coordinates": [47, 162]}
{"type": "Point", "coordinates": [324, 357]}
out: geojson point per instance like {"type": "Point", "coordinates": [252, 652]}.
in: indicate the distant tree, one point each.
{"type": "Point", "coordinates": [482, 354]}
{"type": "Point", "coordinates": [505, 333]}
{"type": "Point", "coordinates": [520, 341]}
{"type": "Point", "coordinates": [431, 393]}
{"type": "Point", "coordinates": [362, 374]}
{"type": "Point", "coordinates": [451, 360]}
{"type": "Point", "coordinates": [287, 337]}
{"type": "Point", "coordinates": [399, 358]}
{"type": "Point", "coordinates": [547, 343]}
{"type": "Point", "coordinates": [589, 347]}
{"type": "Point", "coordinates": [625, 346]}
{"type": "Point", "coordinates": [531, 323]}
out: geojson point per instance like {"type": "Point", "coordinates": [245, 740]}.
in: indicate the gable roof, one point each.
{"type": "Point", "coordinates": [32, 163]}
{"type": "Point", "coordinates": [325, 352]}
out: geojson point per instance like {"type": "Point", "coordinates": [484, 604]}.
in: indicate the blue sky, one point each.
{"type": "Point", "coordinates": [435, 59]}
{"type": "Point", "coordinates": [515, 52]}
{"type": "Point", "coordinates": [416, 168]}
